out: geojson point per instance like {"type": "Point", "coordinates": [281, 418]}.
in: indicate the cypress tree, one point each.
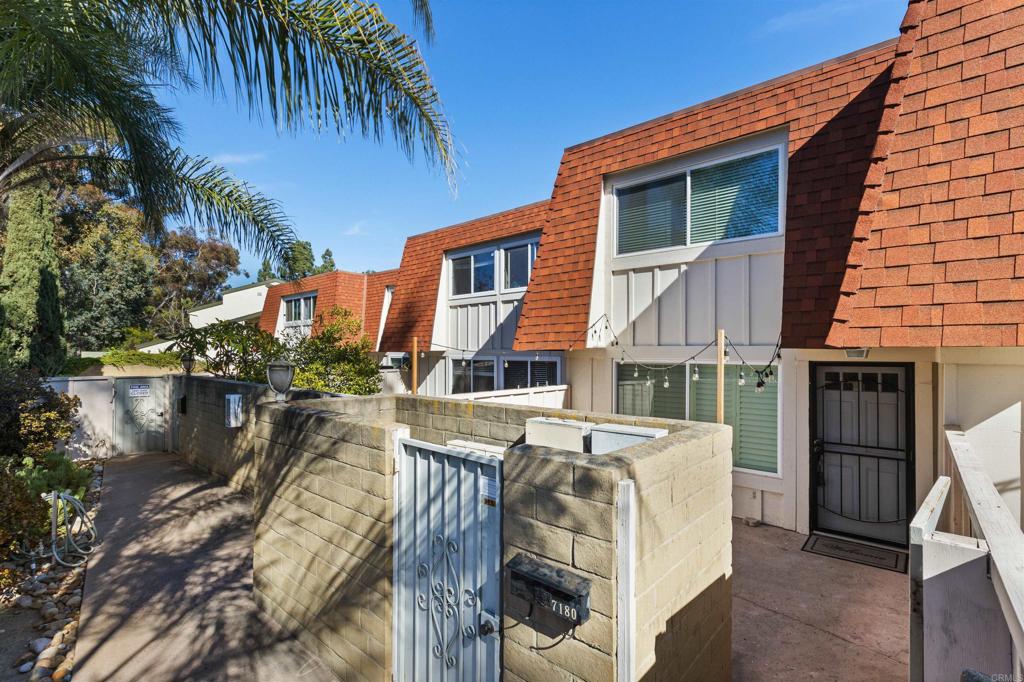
{"type": "Point", "coordinates": [32, 332]}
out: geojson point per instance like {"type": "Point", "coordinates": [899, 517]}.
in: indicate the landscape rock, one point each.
{"type": "Point", "coordinates": [24, 602]}
{"type": "Point", "coordinates": [38, 645]}
{"type": "Point", "coordinates": [25, 667]}
{"type": "Point", "coordinates": [73, 601]}
{"type": "Point", "coordinates": [63, 672]}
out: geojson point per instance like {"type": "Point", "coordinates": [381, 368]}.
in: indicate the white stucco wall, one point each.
{"type": "Point", "coordinates": [235, 304]}
{"type": "Point", "coordinates": [984, 395]}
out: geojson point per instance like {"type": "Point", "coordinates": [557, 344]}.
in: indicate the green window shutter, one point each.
{"type": "Point", "coordinates": [652, 215]}
{"type": "Point", "coordinates": [752, 415]}
{"type": "Point", "coordinates": [737, 198]}
{"type": "Point", "coordinates": [640, 398]}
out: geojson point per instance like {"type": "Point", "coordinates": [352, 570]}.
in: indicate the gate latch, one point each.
{"type": "Point", "coordinates": [488, 623]}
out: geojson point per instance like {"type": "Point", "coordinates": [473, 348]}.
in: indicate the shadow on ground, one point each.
{"type": "Point", "coordinates": [168, 595]}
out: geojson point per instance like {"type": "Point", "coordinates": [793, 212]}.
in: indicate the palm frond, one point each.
{"type": "Point", "coordinates": [318, 63]}
{"type": "Point", "coordinates": [211, 196]}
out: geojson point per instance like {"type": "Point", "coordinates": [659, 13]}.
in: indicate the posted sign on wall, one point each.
{"type": "Point", "coordinates": [138, 390]}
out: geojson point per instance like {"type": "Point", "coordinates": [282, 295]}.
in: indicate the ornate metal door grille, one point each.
{"type": "Point", "coordinates": [447, 563]}
{"type": "Point", "coordinates": [860, 451]}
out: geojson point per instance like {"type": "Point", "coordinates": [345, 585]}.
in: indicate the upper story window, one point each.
{"type": "Point", "coordinates": [476, 273]}
{"type": "Point", "coordinates": [519, 265]}
{"type": "Point", "coordinates": [473, 274]}
{"type": "Point", "coordinates": [729, 199]}
{"type": "Point", "coordinates": [300, 309]}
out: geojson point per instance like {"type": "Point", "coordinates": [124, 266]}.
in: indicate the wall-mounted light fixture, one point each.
{"type": "Point", "coordinates": [280, 374]}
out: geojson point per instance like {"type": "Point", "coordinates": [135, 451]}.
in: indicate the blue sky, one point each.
{"type": "Point", "coordinates": [521, 81]}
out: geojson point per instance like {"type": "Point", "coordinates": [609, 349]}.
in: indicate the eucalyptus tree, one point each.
{"type": "Point", "coordinates": [80, 79]}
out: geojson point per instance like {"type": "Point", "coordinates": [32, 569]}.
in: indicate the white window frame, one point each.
{"type": "Point", "coordinates": [533, 243]}
{"type": "Point", "coordinates": [472, 271]}
{"type": "Point", "coordinates": [685, 166]}
{"type": "Point", "coordinates": [500, 263]}
{"type": "Point", "coordinates": [302, 322]}
{"type": "Point", "coordinates": [451, 372]}
{"type": "Point", "coordinates": [530, 358]}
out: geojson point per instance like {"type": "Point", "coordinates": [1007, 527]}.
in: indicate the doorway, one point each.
{"type": "Point", "coordinates": [862, 437]}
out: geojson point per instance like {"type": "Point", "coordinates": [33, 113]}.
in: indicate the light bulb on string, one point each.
{"type": "Point", "coordinates": [696, 374]}
{"type": "Point", "coordinates": [742, 381]}
{"type": "Point", "coordinates": [506, 364]}
{"type": "Point", "coordinates": [759, 386]}
{"type": "Point", "coordinates": [463, 362]}
{"type": "Point", "coordinates": [423, 354]}
{"type": "Point", "coordinates": [665, 383]}
{"type": "Point", "coordinates": [636, 371]}
{"type": "Point", "coordinates": [649, 381]}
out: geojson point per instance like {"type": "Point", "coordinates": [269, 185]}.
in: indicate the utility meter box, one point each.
{"type": "Point", "coordinates": [564, 434]}
{"type": "Point", "coordinates": [233, 410]}
{"type": "Point", "coordinates": [549, 588]}
{"type": "Point", "coordinates": [605, 438]}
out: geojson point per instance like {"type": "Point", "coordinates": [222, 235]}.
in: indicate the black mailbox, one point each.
{"type": "Point", "coordinates": [550, 588]}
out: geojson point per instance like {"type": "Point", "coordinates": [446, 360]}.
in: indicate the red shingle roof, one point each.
{"type": "Point", "coordinates": [415, 298]}
{"type": "Point", "coordinates": [939, 252]}
{"type": "Point", "coordinates": [362, 294]}
{"type": "Point", "coordinates": [832, 111]}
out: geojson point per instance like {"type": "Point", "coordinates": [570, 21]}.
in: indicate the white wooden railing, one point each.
{"type": "Point", "coordinates": [535, 396]}
{"type": "Point", "coordinates": [966, 574]}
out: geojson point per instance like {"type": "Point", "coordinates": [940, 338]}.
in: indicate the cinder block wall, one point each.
{"type": "Point", "coordinates": [560, 507]}
{"type": "Point", "coordinates": [202, 437]}
{"type": "Point", "coordinates": [323, 510]}
{"type": "Point", "coordinates": [564, 508]}
{"type": "Point", "coordinates": [321, 473]}
{"type": "Point", "coordinates": [684, 554]}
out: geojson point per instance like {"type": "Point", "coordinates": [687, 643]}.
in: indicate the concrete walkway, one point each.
{"type": "Point", "coordinates": [801, 616]}
{"type": "Point", "coordinates": [168, 596]}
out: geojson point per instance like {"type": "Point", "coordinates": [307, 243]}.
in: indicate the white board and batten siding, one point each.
{"type": "Point", "coordinates": [487, 325]}
{"type": "Point", "coordinates": [682, 304]}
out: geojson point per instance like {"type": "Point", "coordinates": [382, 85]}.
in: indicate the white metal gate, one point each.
{"type": "Point", "coordinates": [447, 564]}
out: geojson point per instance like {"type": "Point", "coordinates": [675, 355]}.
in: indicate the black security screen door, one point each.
{"type": "Point", "coordinates": [861, 452]}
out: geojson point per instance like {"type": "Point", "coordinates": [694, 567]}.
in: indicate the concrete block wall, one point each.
{"type": "Point", "coordinates": [684, 554]}
{"type": "Point", "coordinates": [559, 506]}
{"type": "Point", "coordinates": [323, 511]}
{"type": "Point", "coordinates": [321, 474]}
{"type": "Point", "coordinates": [202, 437]}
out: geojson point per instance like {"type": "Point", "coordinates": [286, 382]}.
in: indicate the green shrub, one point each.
{"type": "Point", "coordinates": [120, 357]}
{"type": "Point", "coordinates": [33, 417]}
{"type": "Point", "coordinates": [135, 337]}
{"type": "Point", "coordinates": [232, 350]}
{"type": "Point", "coordinates": [337, 359]}
{"type": "Point", "coordinates": [54, 471]}
{"type": "Point", "coordinates": [22, 514]}
{"type": "Point", "coordinates": [75, 366]}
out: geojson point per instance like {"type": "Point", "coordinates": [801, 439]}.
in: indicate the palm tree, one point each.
{"type": "Point", "coordinates": [78, 83]}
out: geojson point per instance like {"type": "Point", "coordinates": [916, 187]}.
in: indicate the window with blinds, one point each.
{"type": "Point", "coordinates": [727, 200]}
{"type": "Point", "coordinates": [642, 392]}
{"type": "Point", "coordinates": [738, 198]}
{"type": "Point", "coordinates": [652, 215]}
{"type": "Point", "coordinates": [752, 415]}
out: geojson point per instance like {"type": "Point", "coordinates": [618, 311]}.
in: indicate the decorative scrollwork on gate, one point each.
{"type": "Point", "coordinates": [442, 602]}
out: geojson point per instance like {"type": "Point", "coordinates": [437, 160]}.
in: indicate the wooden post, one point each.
{"type": "Point", "coordinates": [720, 381]}
{"type": "Point", "coordinates": [415, 363]}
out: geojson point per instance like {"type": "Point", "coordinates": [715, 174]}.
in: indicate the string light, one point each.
{"type": "Point", "coordinates": [759, 386]}
{"type": "Point", "coordinates": [696, 374]}
{"type": "Point", "coordinates": [742, 380]}
{"type": "Point", "coordinates": [665, 383]}
{"type": "Point", "coordinates": [636, 371]}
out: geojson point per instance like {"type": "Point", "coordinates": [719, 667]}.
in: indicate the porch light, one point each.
{"type": "Point", "coordinates": [188, 363]}
{"type": "Point", "coordinates": [280, 374]}
{"type": "Point", "coordinates": [696, 374]}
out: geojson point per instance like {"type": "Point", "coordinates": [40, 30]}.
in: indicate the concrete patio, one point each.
{"type": "Point", "coordinates": [801, 616]}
